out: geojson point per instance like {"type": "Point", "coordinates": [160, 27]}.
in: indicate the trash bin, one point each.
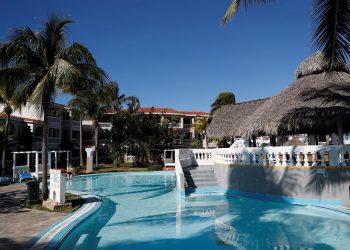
{"type": "Point", "coordinates": [33, 191]}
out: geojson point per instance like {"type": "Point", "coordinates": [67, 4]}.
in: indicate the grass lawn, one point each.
{"type": "Point", "coordinates": [76, 201]}
{"type": "Point", "coordinates": [111, 169]}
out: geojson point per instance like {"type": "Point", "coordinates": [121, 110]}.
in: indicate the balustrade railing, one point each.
{"type": "Point", "coordinates": [325, 155]}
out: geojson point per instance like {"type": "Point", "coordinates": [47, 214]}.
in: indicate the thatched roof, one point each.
{"type": "Point", "coordinates": [227, 120]}
{"type": "Point", "coordinates": [293, 111]}
{"type": "Point", "coordinates": [314, 65]}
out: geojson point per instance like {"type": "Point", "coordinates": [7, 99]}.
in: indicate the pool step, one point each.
{"type": "Point", "coordinates": [200, 177]}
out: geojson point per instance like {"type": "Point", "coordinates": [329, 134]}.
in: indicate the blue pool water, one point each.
{"type": "Point", "coordinates": [142, 211]}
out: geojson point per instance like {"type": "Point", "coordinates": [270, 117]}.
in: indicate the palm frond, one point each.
{"type": "Point", "coordinates": [233, 8]}
{"type": "Point", "coordinates": [77, 54]}
{"type": "Point", "coordinates": [331, 28]}
{"type": "Point", "coordinates": [64, 75]}
{"type": "Point", "coordinates": [42, 95]}
{"type": "Point", "coordinates": [54, 36]}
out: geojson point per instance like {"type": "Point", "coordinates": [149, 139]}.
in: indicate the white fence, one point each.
{"type": "Point", "coordinates": [321, 155]}
{"type": "Point", "coordinates": [324, 155]}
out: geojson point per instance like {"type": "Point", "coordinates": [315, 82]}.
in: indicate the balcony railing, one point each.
{"type": "Point", "coordinates": [55, 119]}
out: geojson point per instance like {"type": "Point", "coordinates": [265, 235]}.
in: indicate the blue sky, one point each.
{"type": "Point", "coordinates": [173, 53]}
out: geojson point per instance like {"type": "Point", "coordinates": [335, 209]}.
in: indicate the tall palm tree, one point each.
{"type": "Point", "coordinates": [44, 65]}
{"type": "Point", "coordinates": [10, 100]}
{"type": "Point", "coordinates": [132, 102]}
{"type": "Point", "coordinates": [201, 125]}
{"type": "Point", "coordinates": [223, 98]}
{"type": "Point", "coordinates": [331, 27]}
{"type": "Point", "coordinates": [91, 105]}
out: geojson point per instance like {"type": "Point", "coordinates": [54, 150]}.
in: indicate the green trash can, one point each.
{"type": "Point", "coordinates": [33, 191]}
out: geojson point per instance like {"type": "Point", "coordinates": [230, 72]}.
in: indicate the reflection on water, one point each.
{"type": "Point", "coordinates": [143, 212]}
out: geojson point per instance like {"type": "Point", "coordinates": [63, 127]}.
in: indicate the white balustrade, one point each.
{"type": "Point", "coordinates": [302, 156]}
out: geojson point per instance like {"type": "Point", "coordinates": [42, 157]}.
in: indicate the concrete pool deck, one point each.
{"type": "Point", "coordinates": [18, 225]}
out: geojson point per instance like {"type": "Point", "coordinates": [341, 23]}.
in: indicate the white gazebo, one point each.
{"type": "Point", "coordinates": [38, 165]}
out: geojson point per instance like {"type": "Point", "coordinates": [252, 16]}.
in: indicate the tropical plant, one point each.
{"type": "Point", "coordinates": [331, 27]}
{"type": "Point", "coordinates": [43, 65]}
{"type": "Point", "coordinates": [141, 135]}
{"type": "Point", "coordinates": [10, 100]}
{"type": "Point", "coordinates": [196, 143]}
{"type": "Point", "coordinates": [132, 103]}
{"type": "Point", "coordinates": [223, 98]}
{"type": "Point", "coordinates": [201, 125]}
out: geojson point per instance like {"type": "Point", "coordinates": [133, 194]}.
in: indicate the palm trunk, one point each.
{"type": "Point", "coordinates": [3, 163]}
{"type": "Point", "coordinates": [44, 154]}
{"type": "Point", "coordinates": [96, 142]}
{"type": "Point", "coordinates": [81, 140]}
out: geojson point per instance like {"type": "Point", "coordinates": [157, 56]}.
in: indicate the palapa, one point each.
{"type": "Point", "coordinates": [227, 120]}
{"type": "Point", "coordinates": [298, 109]}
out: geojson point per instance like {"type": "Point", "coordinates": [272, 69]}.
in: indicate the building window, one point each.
{"type": "Point", "coordinates": [187, 121]}
{"type": "Point", "coordinates": [54, 132]}
{"type": "Point", "coordinates": [75, 134]}
{"type": "Point", "coordinates": [38, 131]}
{"type": "Point", "coordinates": [65, 134]}
{"type": "Point", "coordinates": [187, 136]}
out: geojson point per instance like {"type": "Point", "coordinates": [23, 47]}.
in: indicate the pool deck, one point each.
{"type": "Point", "coordinates": [18, 225]}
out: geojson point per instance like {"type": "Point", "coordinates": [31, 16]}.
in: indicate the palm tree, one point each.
{"type": "Point", "coordinates": [201, 125]}
{"type": "Point", "coordinates": [223, 98]}
{"type": "Point", "coordinates": [10, 100]}
{"type": "Point", "coordinates": [44, 65]}
{"type": "Point", "coordinates": [132, 102]}
{"type": "Point", "coordinates": [77, 105]}
{"type": "Point", "coordinates": [331, 28]}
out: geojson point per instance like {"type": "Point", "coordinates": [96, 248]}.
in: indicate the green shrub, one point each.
{"type": "Point", "coordinates": [196, 143]}
{"type": "Point", "coordinates": [155, 168]}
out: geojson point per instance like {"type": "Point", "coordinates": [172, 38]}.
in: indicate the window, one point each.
{"type": "Point", "coordinates": [54, 132]}
{"type": "Point", "coordinates": [187, 136]}
{"type": "Point", "coordinates": [187, 120]}
{"type": "Point", "coordinates": [75, 134]}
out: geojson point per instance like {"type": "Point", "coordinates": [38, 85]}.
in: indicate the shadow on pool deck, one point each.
{"type": "Point", "coordinates": [18, 225]}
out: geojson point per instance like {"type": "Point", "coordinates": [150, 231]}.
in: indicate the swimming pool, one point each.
{"type": "Point", "coordinates": [142, 211]}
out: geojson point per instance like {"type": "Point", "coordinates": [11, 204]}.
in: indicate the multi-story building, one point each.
{"type": "Point", "coordinates": [64, 129]}
{"type": "Point", "coordinates": [181, 122]}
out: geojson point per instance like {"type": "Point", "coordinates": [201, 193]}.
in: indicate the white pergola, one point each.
{"type": "Point", "coordinates": [25, 168]}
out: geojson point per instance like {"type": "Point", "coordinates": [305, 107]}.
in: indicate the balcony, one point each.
{"type": "Point", "coordinates": [105, 125]}
{"type": "Point", "coordinates": [188, 125]}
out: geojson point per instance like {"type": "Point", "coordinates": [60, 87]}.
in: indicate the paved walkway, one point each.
{"type": "Point", "coordinates": [19, 225]}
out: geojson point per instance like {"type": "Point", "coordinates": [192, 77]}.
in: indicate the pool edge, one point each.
{"type": "Point", "coordinates": [51, 240]}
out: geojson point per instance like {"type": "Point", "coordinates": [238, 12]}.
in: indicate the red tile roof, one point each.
{"type": "Point", "coordinates": [172, 111]}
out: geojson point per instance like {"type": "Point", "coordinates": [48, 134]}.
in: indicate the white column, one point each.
{"type": "Point", "coordinates": [67, 159]}
{"type": "Point", "coordinates": [37, 164]}
{"type": "Point", "coordinates": [55, 153]}
{"type": "Point", "coordinates": [49, 159]}
{"type": "Point", "coordinates": [14, 164]}
{"type": "Point", "coordinates": [28, 159]}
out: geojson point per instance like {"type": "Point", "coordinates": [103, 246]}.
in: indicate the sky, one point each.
{"type": "Point", "coordinates": [173, 53]}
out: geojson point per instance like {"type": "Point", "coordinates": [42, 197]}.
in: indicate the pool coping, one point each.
{"type": "Point", "coordinates": [52, 236]}
{"type": "Point", "coordinates": [128, 173]}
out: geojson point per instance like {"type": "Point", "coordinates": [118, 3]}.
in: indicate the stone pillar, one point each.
{"type": "Point", "coordinates": [89, 159]}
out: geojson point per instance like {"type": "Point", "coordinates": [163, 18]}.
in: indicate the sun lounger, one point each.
{"type": "Point", "coordinates": [25, 176]}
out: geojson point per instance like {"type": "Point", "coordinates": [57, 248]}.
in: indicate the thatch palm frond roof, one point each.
{"type": "Point", "coordinates": [315, 65]}
{"type": "Point", "coordinates": [227, 120]}
{"type": "Point", "coordinates": [292, 111]}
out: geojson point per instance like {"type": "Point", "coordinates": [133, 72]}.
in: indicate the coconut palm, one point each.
{"type": "Point", "coordinates": [77, 105]}
{"type": "Point", "coordinates": [10, 100]}
{"type": "Point", "coordinates": [43, 65]}
{"type": "Point", "coordinates": [131, 102]}
{"type": "Point", "coordinates": [331, 27]}
{"type": "Point", "coordinates": [201, 125]}
{"type": "Point", "coordinates": [223, 98]}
